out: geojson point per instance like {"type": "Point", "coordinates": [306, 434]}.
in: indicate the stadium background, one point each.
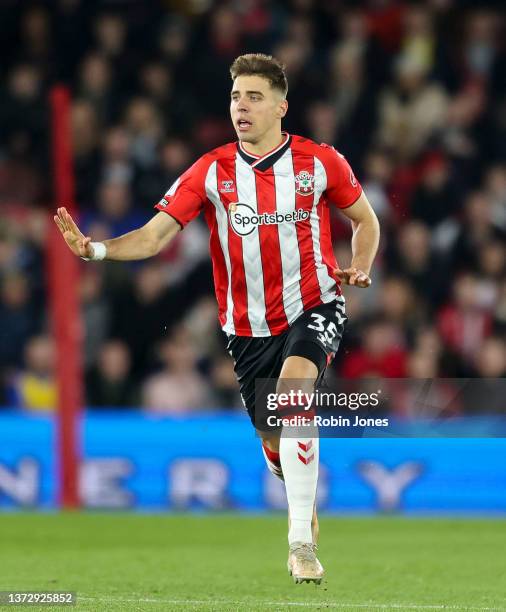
{"type": "Point", "coordinates": [411, 93]}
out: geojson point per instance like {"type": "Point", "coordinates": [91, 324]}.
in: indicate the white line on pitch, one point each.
{"type": "Point", "coordinates": [302, 604]}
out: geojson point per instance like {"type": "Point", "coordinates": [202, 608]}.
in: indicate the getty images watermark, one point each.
{"type": "Point", "coordinates": [306, 407]}
{"type": "Point", "coordinates": [384, 407]}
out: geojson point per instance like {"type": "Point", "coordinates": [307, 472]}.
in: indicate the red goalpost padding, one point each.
{"type": "Point", "coordinates": [63, 298]}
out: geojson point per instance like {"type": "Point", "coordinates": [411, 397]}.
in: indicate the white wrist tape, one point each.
{"type": "Point", "coordinates": [99, 252]}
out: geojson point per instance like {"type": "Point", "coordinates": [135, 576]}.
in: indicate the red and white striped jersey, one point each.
{"type": "Point", "coordinates": [272, 255]}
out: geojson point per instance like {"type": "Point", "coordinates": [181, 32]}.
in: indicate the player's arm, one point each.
{"type": "Point", "coordinates": [346, 193]}
{"type": "Point", "coordinates": [181, 203]}
{"type": "Point", "coordinates": [141, 243]}
{"type": "Point", "coordinates": [364, 243]}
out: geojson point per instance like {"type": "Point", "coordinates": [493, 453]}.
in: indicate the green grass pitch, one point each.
{"type": "Point", "coordinates": [231, 562]}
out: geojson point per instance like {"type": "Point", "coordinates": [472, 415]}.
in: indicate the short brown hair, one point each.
{"type": "Point", "coordinates": [261, 65]}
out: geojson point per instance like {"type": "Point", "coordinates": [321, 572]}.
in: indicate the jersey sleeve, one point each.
{"type": "Point", "coordinates": [186, 196]}
{"type": "Point", "coordinates": [343, 189]}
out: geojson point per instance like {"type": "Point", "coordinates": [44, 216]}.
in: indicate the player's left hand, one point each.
{"type": "Point", "coordinates": [353, 276]}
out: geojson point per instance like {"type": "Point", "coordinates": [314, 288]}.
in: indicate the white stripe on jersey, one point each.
{"type": "Point", "coordinates": [253, 271]}
{"type": "Point", "coordinates": [326, 282]}
{"type": "Point", "coordinates": [222, 221]}
{"type": "Point", "coordinates": [173, 187]}
{"type": "Point", "coordinates": [284, 180]}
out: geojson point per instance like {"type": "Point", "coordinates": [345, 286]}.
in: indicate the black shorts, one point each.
{"type": "Point", "coordinates": [315, 335]}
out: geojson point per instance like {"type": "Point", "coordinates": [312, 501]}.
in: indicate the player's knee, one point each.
{"type": "Point", "coordinates": [300, 368]}
{"type": "Point", "coordinates": [296, 383]}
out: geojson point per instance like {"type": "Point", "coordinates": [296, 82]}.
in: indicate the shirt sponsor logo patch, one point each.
{"type": "Point", "coordinates": [244, 220]}
{"type": "Point", "coordinates": [304, 183]}
{"type": "Point", "coordinates": [227, 187]}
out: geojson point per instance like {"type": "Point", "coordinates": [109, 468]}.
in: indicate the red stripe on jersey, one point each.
{"type": "Point", "coordinates": [220, 274]}
{"type": "Point", "coordinates": [309, 285]}
{"type": "Point", "coordinates": [328, 256]}
{"type": "Point", "coordinates": [225, 170]}
{"type": "Point", "coordinates": [270, 253]}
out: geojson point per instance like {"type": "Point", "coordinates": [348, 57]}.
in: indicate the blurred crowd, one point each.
{"type": "Point", "coordinates": [412, 93]}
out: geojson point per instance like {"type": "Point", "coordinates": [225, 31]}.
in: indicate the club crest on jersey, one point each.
{"type": "Point", "coordinates": [227, 187]}
{"type": "Point", "coordinates": [304, 183]}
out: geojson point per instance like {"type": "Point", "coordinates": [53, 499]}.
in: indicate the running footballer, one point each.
{"type": "Point", "coordinates": [266, 199]}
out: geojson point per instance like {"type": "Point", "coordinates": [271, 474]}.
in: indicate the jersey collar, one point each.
{"type": "Point", "coordinates": [269, 159]}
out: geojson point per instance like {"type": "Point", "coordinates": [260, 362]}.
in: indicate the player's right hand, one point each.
{"type": "Point", "coordinates": [78, 243]}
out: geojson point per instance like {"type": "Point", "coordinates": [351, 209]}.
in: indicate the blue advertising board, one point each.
{"type": "Point", "coordinates": [213, 462]}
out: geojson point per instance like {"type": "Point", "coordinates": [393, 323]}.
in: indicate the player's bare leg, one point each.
{"type": "Point", "coordinates": [298, 458]}
{"type": "Point", "coordinates": [315, 526]}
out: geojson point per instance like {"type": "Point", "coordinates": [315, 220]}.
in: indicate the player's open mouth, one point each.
{"type": "Point", "coordinates": [243, 125]}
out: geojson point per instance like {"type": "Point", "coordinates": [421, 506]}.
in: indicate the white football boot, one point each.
{"type": "Point", "coordinates": [303, 564]}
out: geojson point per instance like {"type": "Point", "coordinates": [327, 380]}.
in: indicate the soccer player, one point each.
{"type": "Point", "coordinates": [266, 199]}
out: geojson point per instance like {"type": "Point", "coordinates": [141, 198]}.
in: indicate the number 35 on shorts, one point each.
{"type": "Point", "coordinates": [328, 329]}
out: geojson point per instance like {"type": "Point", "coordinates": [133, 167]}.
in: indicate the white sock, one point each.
{"type": "Point", "coordinates": [299, 461]}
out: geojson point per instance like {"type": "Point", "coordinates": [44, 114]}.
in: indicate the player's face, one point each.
{"type": "Point", "coordinates": [255, 107]}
